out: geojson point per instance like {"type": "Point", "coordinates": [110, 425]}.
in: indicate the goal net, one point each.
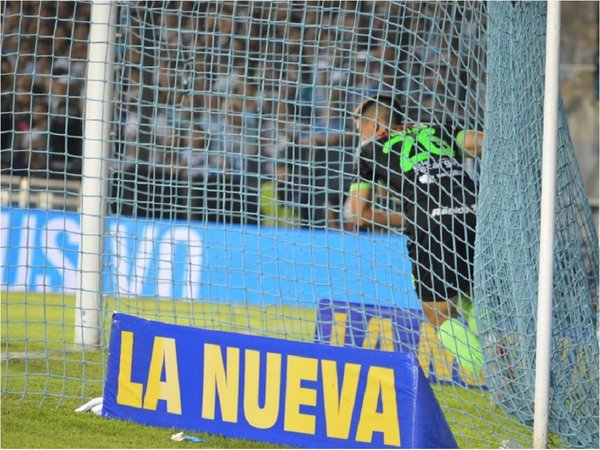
{"type": "Point", "coordinates": [232, 155]}
{"type": "Point", "coordinates": [508, 238]}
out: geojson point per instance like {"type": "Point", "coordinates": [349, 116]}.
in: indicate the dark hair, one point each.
{"type": "Point", "coordinates": [396, 116]}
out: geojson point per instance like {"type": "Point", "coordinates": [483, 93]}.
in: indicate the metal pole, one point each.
{"type": "Point", "coordinates": [546, 262]}
{"type": "Point", "coordinates": [96, 151]}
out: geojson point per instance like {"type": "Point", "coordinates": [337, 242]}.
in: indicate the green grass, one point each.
{"type": "Point", "coordinates": [27, 424]}
{"type": "Point", "coordinates": [44, 377]}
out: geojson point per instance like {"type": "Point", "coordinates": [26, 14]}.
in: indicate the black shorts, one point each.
{"type": "Point", "coordinates": [442, 252]}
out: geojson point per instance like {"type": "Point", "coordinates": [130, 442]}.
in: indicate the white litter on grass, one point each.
{"type": "Point", "coordinates": [94, 406]}
{"type": "Point", "coordinates": [181, 436]}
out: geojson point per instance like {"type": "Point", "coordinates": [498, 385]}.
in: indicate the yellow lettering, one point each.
{"type": "Point", "coordinates": [128, 392]}
{"type": "Point", "coordinates": [431, 350]}
{"type": "Point", "coordinates": [266, 416]}
{"type": "Point", "coordinates": [338, 330]}
{"type": "Point", "coordinates": [380, 384]}
{"type": "Point", "coordinates": [164, 354]}
{"type": "Point", "coordinates": [379, 330]}
{"type": "Point", "coordinates": [221, 380]}
{"type": "Point", "coordinates": [339, 406]}
{"type": "Point", "coordinates": [299, 369]}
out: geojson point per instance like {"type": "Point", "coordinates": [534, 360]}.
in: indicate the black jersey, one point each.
{"type": "Point", "coordinates": [418, 164]}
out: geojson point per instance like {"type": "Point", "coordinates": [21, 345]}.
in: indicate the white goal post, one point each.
{"type": "Point", "coordinates": [96, 153]}
{"type": "Point", "coordinates": [546, 264]}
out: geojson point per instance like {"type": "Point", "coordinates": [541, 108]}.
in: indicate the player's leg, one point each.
{"type": "Point", "coordinates": [457, 338]}
{"type": "Point", "coordinates": [437, 312]}
{"type": "Point", "coordinates": [438, 268]}
{"type": "Point", "coordinates": [465, 308]}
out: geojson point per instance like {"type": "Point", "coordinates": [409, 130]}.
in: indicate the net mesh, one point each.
{"type": "Point", "coordinates": [508, 239]}
{"type": "Point", "coordinates": [232, 153]}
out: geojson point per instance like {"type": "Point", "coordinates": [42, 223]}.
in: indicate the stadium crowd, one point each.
{"type": "Point", "coordinates": [44, 49]}
{"type": "Point", "coordinates": [224, 97]}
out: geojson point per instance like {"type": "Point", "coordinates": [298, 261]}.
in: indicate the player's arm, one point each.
{"type": "Point", "coordinates": [470, 142]}
{"type": "Point", "coordinates": [359, 208]}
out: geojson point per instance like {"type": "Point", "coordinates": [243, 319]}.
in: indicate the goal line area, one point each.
{"type": "Point", "coordinates": [40, 358]}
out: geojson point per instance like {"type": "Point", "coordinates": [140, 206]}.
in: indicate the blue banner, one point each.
{"type": "Point", "coordinates": [368, 326]}
{"type": "Point", "coordinates": [207, 261]}
{"type": "Point", "coordinates": [394, 330]}
{"type": "Point", "coordinates": [250, 387]}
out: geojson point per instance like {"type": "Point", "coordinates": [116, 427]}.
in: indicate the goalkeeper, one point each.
{"type": "Point", "coordinates": [418, 163]}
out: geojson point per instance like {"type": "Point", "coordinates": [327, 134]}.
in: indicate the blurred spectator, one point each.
{"type": "Point", "coordinates": [46, 43]}
{"type": "Point", "coordinates": [277, 131]}
{"type": "Point", "coordinates": [18, 161]}
{"type": "Point", "coordinates": [6, 111]}
{"type": "Point", "coordinates": [66, 128]}
{"type": "Point", "coordinates": [194, 155]}
{"type": "Point", "coordinates": [34, 143]}
{"type": "Point", "coordinates": [220, 88]}
{"type": "Point", "coordinates": [284, 200]}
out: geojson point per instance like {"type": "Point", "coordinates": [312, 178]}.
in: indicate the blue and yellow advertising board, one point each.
{"type": "Point", "coordinates": [352, 324]}
{"type": "Point", "coordinates": [251, 387]}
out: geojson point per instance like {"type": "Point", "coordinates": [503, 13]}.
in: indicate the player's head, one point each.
{"type": "Point", "coordinates": [375, 115]}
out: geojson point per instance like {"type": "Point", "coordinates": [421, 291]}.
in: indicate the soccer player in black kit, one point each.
{"type": "Point", "coordinates": [419, 164]}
